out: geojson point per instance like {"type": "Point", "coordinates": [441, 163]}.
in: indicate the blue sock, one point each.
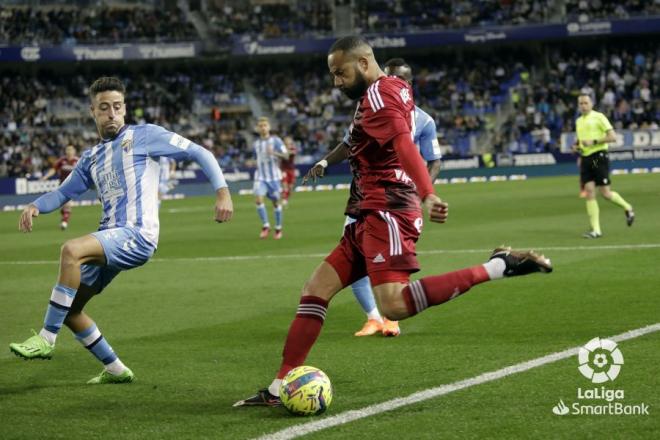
{"type": "Point", "coordinates": [263, 215]}
{"type": "Point", "coordinates": [61, 299]}
{"type": "Point", "coordinates": [364, 294]}
{"type": "Point", "coordinates": [93, 340]}
{"type": "Point", "coordinates": [278, 217]}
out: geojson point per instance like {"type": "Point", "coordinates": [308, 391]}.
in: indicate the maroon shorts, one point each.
{"type": "Point", "coordinates": [380, 244]}
{"type": "Point", "coordinates": [289, 176]}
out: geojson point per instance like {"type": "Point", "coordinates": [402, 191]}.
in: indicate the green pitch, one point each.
{"type": "Point", "coordinates": [201, 329]}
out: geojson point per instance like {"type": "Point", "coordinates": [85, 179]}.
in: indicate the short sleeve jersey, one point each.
{"type": "Point", "coordinates": [379, 182]}
{"type": "Point", "coordinates": [593, 125]}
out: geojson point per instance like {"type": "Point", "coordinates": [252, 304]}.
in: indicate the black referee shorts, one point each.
{"type": "Point", "coordinates": [596, 168]}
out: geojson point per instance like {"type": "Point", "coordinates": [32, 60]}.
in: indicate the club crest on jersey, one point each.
{"type": "Point", "coordinates": [405, 95]}
{"type": "Point", "coordinates": [127, 144]}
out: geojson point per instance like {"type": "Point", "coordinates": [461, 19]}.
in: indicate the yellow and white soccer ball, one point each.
{"type": "Point", "coordinates": [306, 391]}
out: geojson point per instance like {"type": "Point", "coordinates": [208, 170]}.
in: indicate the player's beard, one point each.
{"type": "Point", "coordinates": [357, 90]}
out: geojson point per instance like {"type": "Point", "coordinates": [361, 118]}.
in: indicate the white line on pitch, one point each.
{"type": "Point", "coordinates": [321, 255]}
{"type": "Point", "coordinates": [349, 416]}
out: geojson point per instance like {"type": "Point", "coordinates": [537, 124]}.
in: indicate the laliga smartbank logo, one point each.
{"type": "Point", "coordinates": [600, 361]}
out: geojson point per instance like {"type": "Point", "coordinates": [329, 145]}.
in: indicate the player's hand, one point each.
{"type": "Point", "coordinates": [224, 207]}
{"type": "Point", "coordinates": [437, 209]}
{"type": "Point", "coordinates": [25, 222]}
{"type": "Point", "coordinates": [315, 172]}
{"type": "Point", "coordinates": [588, 142]}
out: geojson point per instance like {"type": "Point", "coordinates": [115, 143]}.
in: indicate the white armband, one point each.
{"type": "Point", "coordinates": [322, 163]}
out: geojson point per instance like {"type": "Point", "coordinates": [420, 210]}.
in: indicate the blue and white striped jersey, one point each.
{"type": "Point", "coordinates": [425, 137]}
{"type": "Point", "coordinates": [126, 171]}
{"type": "Point", "coordinates": [268, 166]}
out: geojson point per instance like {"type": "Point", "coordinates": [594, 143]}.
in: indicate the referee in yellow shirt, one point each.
{"type": "Point", "coordinates": [594, 132]}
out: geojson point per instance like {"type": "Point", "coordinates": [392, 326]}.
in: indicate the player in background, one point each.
{"type": "Point", "coordinates": [426, 140]}
{"type": "Point", "coordinates": [166, 179]}
{"type": "Point", "coordinates": [269, 150]}
{"type": "Point", "coordinates": [288, 167]}
{"type": "Point", "coordinates": [594, 133]}
{"type": "Point", "coordinates": [390, 179]}
{"type": "Point", "coordinates": [63, 168]}
{"type": "Point", "coordinates": [124, 169]}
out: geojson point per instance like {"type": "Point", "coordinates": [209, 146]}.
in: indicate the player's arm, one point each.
{"type": "Point", "coordinates": [610, 136]}
{"type": "Point", "coordinates": [429, 147]}
{"type": "Point", "coordinates": [413, 165]}
{"type": "Point", "coordinates": [50, 173]}
{"type": "Point", "coordinates": [161, 142]}
{"type": "Point", "coordinates": [75, 185]}
{"type": "Point", "coordinates": [279, 150]}
{"type": "Point", "coordinates": [433, 167]}
{"type": "Point", "coordinates": [335, 156]}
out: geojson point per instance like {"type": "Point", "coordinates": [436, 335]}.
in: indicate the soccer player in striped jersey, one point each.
{"type": "Point", "coordinates": [269, 150]}
{"type": "Point", "coordinates": [124, 169]}
{"type": "Point", "coordinates": [63, 168]}
{"type": "Point", "coordinates": [391, 183]}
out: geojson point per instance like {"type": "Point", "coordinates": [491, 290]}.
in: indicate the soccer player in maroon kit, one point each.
{"type": "Point", "coordinates": [63, 168]}
{"type": "Point", "coordinates": [288, 168]}
{"type": "Point", "coordinates": [390, 181]}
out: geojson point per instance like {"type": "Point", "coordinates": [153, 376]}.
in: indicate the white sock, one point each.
{"type": "Point", "coordinates": [495, 268]}
{"type": "Point", "coordinates": [50, 337]}
{"type": "Point", "coordinates": [274, 387]}
{"type": "Point", "coordinates": [116, 367]}
{"type": "Point", "coordinates": [375, 314]}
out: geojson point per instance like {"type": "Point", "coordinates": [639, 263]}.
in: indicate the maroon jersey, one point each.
{"type": "Point", "coordinates": [288, 164]}
{"type": "Point", "coordinates": [64, 167]}
{"type": "Point", "coordinates": [379, 182]}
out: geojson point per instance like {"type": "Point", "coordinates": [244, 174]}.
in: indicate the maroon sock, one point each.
{"type": "Point", "coordinates": [303, 332]}
{"type": "Point", "coordinates": [434, 290]}
{"type": "Point", "coordinates": [66, 213]}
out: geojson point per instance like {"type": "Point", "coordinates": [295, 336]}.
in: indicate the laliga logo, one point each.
{"type": "Point", "coordinates": [600, 360]}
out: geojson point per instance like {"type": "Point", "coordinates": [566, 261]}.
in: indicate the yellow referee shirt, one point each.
{"type": "Point", "coordinates": [594, 125]}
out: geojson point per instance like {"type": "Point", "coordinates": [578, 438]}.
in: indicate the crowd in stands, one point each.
{"type": "Point", "coordinates": [589, 10]}
{"type": "Point", "coordinates": [229, 19]}
{"type": "Point", "coordinates": [398, 15]}
{"type": "Point", "coordinates": [270, 20]}
{"type": "Point", "coordinates": [71, 25]}
{"type": "Point", "coordinates": [458, 95]}
{"type": "Point", "coordinates": [623, 84]}
{"type": "Point", "coordinates": [42, 112]}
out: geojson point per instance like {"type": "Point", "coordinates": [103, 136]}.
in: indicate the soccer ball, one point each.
{"type": "Point", "coordinates": [306, 391]}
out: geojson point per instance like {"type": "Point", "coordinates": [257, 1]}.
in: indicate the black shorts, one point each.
{"type": "Point", "coordinates": [596, 168]}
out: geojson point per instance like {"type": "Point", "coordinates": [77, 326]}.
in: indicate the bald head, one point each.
{"type": "Point", "coordinates": [353, 66]}
{"type": "Point", "coordinates": [354, 46]}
